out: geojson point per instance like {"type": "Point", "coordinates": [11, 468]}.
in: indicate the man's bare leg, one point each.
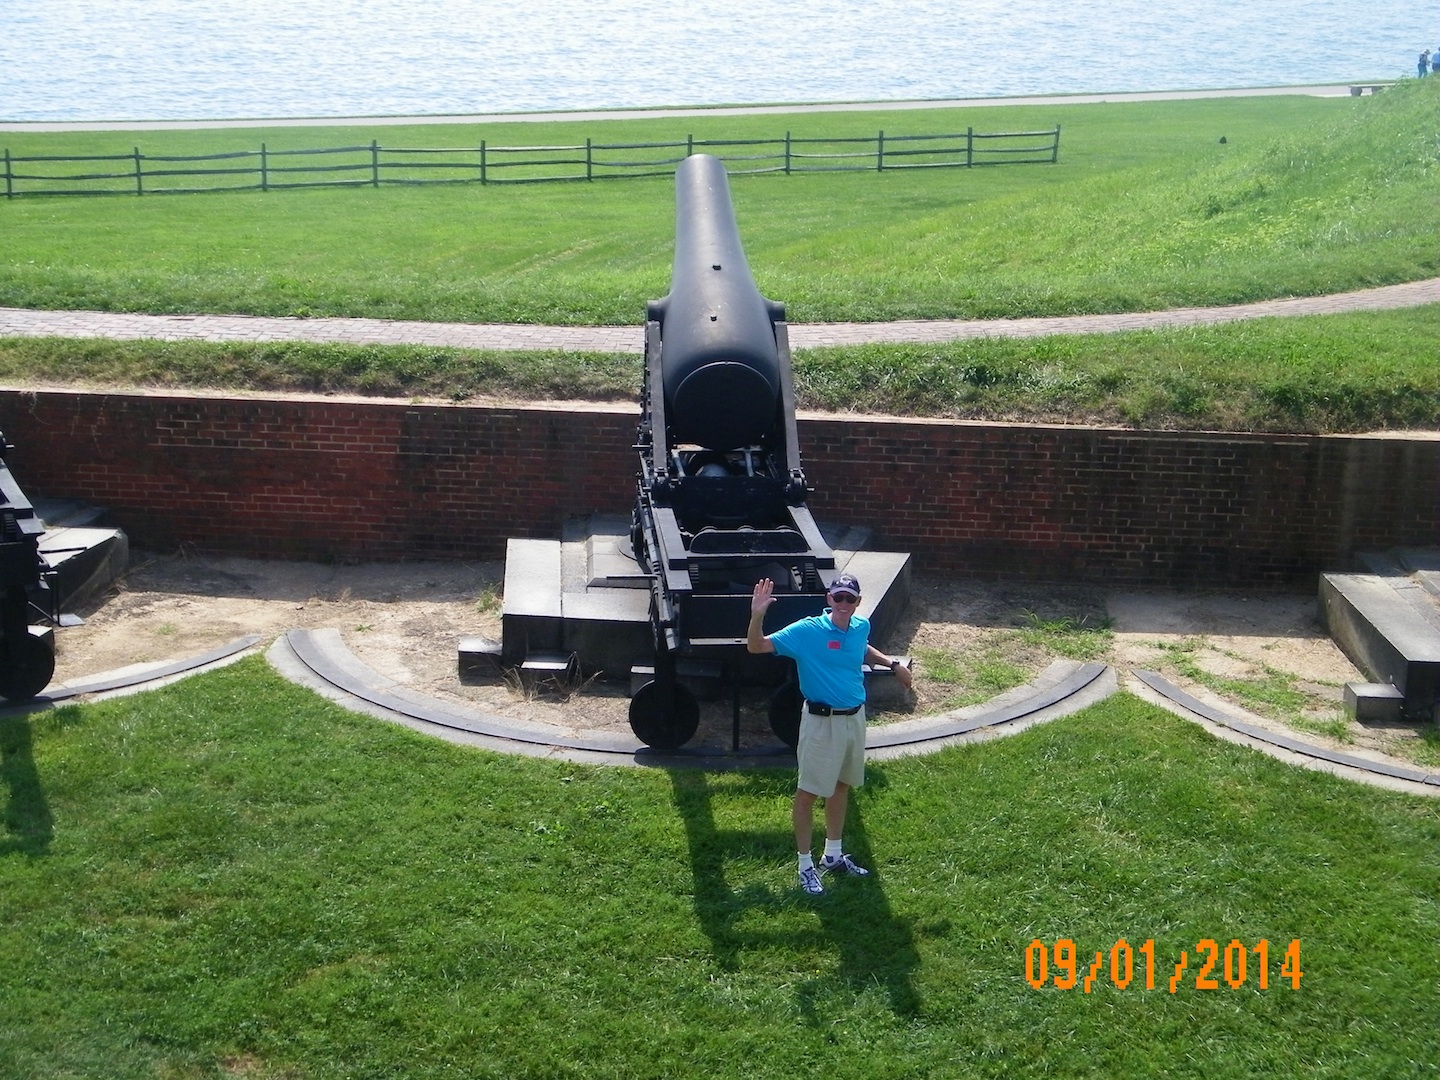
{"type": "Point", "coordinates": [802, 813]}
{"type": "Point", "coordinates": [835, 807]}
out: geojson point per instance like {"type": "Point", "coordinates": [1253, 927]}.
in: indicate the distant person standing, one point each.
{"type": "Point", "coordinates": [1435, 60]}
{"type": "Point", "coordinates": [829, 650]}
{"type": "Point", "coordinates": [1422, 66]}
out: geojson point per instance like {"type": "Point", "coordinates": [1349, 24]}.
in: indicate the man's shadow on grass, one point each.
{"type": "Point", "coordinates": [876, 947]}
{"type": "Point", "coordinates": [28, 824]}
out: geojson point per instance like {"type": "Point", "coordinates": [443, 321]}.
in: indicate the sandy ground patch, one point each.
{"type": "Point", "coordinates": [406, 620]}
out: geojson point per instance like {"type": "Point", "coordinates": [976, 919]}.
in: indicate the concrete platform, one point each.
{"type": "Point", "coordinates": [585, 595]}
{"type": "Point", "coordinates": [85, 555]}
{"type": "Point", "coordinates": [1387, 621]}
{"type": "Point", "coordinates": [551, 605]}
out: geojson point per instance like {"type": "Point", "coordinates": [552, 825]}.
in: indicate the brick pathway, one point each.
{"type": "Point", "coordinates": [21, 322]}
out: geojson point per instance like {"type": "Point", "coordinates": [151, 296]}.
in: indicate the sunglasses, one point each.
{"type": "Point", "coordinates": [844, 598]}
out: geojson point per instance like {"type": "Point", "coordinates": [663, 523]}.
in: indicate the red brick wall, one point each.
{"type": "Point", "coordinates": [362, 479]}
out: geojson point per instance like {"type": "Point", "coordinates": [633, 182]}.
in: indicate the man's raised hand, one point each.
{"type": "Point", "coordinates": [763, 597]}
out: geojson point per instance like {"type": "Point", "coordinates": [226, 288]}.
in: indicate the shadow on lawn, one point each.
{"type": "Point", "coordinates": [876, 947]}
{"type": "Point", "coordinates": [27, 812]}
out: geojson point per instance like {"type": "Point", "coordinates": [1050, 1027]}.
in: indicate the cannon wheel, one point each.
{"type": "Point", "coordinates": [785, 706]}
{"type": "Point", "coordinates": [26, 666]}
{"type": "Point", "coordinates": [664, 721]}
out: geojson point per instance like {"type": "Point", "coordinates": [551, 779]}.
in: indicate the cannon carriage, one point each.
{"type": "Point", "coordinates": [721, 494]}
{"type": "Point", "coordinates": [27, 654]}
{"type": "Point", "coordinates": [720, 502]}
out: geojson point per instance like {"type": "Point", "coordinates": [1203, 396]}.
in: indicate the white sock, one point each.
{"type": "Point", "coordinates": [807, 861]}
{"type": "Point", "coordinates": [833, 849]}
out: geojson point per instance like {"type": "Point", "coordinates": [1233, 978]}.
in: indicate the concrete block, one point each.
{"type": "Point", "coordinates": [885, 580]}
{"type": "Point", "coordinates": [532, 578]}
{"type": "Point", "coordinates": [551, 671]}
{"type": "Point", "coordinates": [610, 561]}
{"type": "Point", "coordinates": [479, 658]}
{"type": "Point", "coordinates": [551, 665]}
{"type": "Point", "coordinates": [608, 628]}
{"type": "Point", "coordinates": [1384, 636]}
{"type": "Point", "coordinates": [1377, 703]}
{"type": "Point", "coordinates": [882, 688]}
{"type": "Point", "coordinates": [85, 561]}
{"type": "Point", "coordinates": [530, 614]}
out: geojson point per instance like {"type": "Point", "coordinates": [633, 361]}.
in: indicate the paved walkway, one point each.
{"type": "Point", "coordinates": [22, 322]}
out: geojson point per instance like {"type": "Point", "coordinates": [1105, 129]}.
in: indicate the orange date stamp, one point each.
{"type": "Point", "coordinates": [1210, 967]}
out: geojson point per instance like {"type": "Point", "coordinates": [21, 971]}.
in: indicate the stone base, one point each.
{"type": "Point", "coordinates": [1389, 626]}
{"type": "Point", "coordinates": [585, 595]}
{"type": "Point", "coordinates": [1373, 703]}
{"type": "Point", "coordinates": [478, 658]}
{"type": "Point", "coordinates": [84, 555]}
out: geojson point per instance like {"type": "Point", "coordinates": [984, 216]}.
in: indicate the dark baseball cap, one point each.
{"type": "Point", "coordinates": [848, 583]}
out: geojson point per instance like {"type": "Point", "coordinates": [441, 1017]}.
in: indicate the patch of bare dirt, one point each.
{"type": "Point", "coordinates": [405, 620]}
{"type": "Point", "coordinates": [1267, 641]}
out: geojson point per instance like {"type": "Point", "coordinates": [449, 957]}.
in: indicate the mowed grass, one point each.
{"type": "Point", "coordinates": [1337, 373]}
{"type": "Point", "coordinates": [1324, 374]}
{"type": "Point", "coordinates": [1147, 209]}
{"type": "Point", "coordinates": [233, 877]}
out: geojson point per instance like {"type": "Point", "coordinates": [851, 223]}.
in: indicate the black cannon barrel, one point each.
{"type": "Point", "coordinates": [718, 357]}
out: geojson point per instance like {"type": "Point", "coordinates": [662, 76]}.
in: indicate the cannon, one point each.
{"type": "Point", "coordinates": [661, 595]}
{"type": "Point", "coordinates": [27, 654]}
{"type": "Point", "coordinates": [720, 499]}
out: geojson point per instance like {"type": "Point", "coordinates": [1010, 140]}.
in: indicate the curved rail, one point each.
{"type": "Point", "coordinates": [326, 658]}
{"type": "Point", "coordinates": [1273, 738]}
{"type": "Point", "coordinates": [131, 679]}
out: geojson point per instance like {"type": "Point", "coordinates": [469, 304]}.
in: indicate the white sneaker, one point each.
{"type": "Point", "coordinates": [844, 864]}
{"type": "Point", "coordinates": [810, 881]}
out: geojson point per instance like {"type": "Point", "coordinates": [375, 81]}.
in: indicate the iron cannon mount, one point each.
{"type": "Point", "coordinates": [720, 503]}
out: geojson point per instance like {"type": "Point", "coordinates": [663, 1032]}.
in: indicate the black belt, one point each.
{"type": "Point", "coordinates": [819, 708]}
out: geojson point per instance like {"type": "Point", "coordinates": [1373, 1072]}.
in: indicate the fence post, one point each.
{"type": "Point", "coordinates": [139, 184]}
{"type": "Point", "coordinates": [374, 163]}
{"type": "Point", "coordinates": [787, 153]}
{"type": "Point", "coordinates": [9, 176]}
{"type": "Point", "coordinates": [1055, 146]}
{"type": "Point", "coordinates": [483, 180]}
{"type": "Point", "coordinates": [969, 148]}
{"type": "Point", "coordinates": [880, 152]}
{"type": "Point", "coordinates": [689, 145]}
{"type": "Point", "coordinates": [588, 174]}
{"type": "Point", "coordinates": [264, 169]}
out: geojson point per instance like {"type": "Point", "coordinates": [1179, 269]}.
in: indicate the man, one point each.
{"type": "Point", "coordinates": [828, 650]}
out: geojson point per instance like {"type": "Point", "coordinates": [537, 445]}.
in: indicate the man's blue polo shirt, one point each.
{"type": "Point", "coordinates": [827, 657]}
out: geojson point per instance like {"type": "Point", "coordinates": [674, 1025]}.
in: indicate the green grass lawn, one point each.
{"type": "Point", "coordinates": [1147, 209]}
{"type": "Point", "coordinates": [232, 877]}
{"type": "Point", "coordinates": [1337, 373]}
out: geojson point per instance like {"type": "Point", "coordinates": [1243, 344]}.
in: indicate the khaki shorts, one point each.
{"type": "Point", "coordinates": [831, 750]}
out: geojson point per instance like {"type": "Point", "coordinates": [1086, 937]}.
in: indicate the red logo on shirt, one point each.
{"type": "Point", "coordinates": [833, 644]}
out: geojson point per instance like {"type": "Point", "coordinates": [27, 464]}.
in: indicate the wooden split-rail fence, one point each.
{"type": "Point", "coordinates": [374, 165]}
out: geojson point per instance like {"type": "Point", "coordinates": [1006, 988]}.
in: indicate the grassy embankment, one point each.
{"type": "Point", "coordinates": [232, 877]}
{"type": "Point", "coordinates": [1146, 210]}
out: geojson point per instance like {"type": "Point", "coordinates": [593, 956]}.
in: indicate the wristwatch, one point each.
{"type": "Point", "coordinates": [894, 663]}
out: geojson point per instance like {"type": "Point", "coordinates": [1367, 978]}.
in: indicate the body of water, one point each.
{"type": "Point", "coordinates": [78, 60]}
